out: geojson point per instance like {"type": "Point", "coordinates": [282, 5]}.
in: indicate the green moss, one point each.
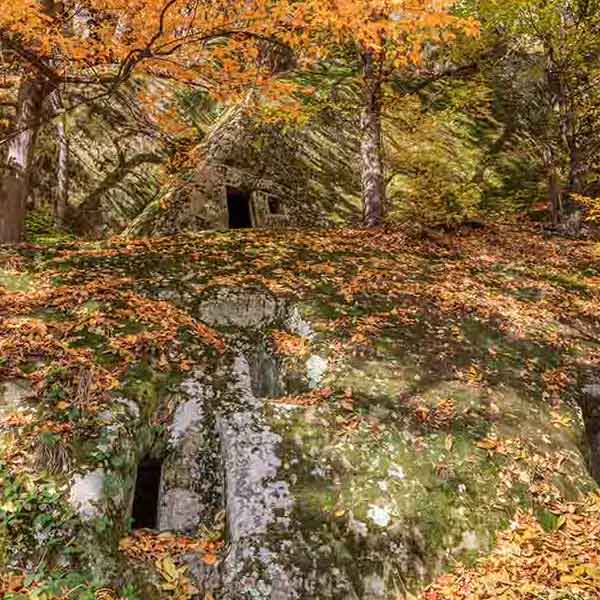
{"type": "Point", "coordinates": [16, 282]}
{"type": "Point", "coordinates": [149, 388]}
{"type": "Point", "coordinates": [392, 448]}
{"type": "Point", "coordinates": [40, 229]}
{"type": "Point", "coordinates": [436, 483]}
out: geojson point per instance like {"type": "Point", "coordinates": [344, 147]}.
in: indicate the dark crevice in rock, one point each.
{"type": "Point", "coordinates": [590, 408]}
{"type": "Point", "coordinates": [144, 512]}
{"type": "Point", "coordinates": [238, 207]}
{"type": "Point", "coordinates": [265, 373]}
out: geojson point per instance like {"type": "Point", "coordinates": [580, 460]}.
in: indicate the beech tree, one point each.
{"type": "Point", "coordinates": [385, 38]}
{"type": "Point", "coordinates": [558, 110]}
{"type": "Point", "coordinates": [82, 51]}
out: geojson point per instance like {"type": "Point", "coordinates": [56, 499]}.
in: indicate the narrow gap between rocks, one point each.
{"type": "Point", "coordinates": [589, 404]}
{"type": "Point", "coordinates": [145, 500]}
{"type": "Point", "coordinates": [592, 429]}
{"type": "Point", "coordinates": [265, 373]}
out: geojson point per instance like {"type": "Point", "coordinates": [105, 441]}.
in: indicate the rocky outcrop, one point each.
{"type": "Point", "coordinates": [243, 155]}
{"type": "Point", "coordinates": [313, 440]}
{"type": "Point", "coordinates": [311, 511]}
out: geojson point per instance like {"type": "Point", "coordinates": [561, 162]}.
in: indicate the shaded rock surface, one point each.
{"type": "Point", "coordinates": [336, 455]}
{"type": "Point", "coordinates": [312, 511]}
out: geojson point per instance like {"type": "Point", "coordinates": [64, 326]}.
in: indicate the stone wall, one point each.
{"type": "Point", "coordinates": [240, 153]}
{"type": "Point", "coordinates": [202, 202]}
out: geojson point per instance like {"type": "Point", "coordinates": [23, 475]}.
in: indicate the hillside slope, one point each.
{"type": "Point", "coordinates": [336, 414]}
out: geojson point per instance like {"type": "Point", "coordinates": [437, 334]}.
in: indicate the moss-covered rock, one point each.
{"type": "Point", "coordinates": [334, 420]}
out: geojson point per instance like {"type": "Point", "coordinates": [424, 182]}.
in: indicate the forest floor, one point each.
{"type": "Point", "coordinates": [487, 307]}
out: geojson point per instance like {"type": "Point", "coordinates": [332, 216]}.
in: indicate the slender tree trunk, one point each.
{"type": "Point", "coordinates": [569, 134]}
{"type": "Point", "coordinates": [557, 98]}
{"type": "Point", "coordinates": [554, 185]}
{"type": "Point", "coordinates": [62, 190]}
{"type": "Point", "coordinates": [555, 197]}
{"type": "Point", "coordinates": [576, 168]}
{"type": "Point", "coordinates": [15, 182]}
{"type": "Point", "coordinates": [562, 101]}
{"type": "Point", "coordinates": [62, 183]}
{"type": "Point", "coordinates": [372, 177]}
{"type": "Point", "coordinates": [16, 178]}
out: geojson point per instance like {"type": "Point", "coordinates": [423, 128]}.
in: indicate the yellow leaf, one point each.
{"type": "Point", "coordinates": [487, 444]}
{"type": "Point", "coordinates": [168, 569]}
{"type": "Point", "coordinates": [126, 543]}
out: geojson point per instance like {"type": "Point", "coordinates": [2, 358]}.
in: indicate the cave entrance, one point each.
{"type": "Point", "coordinates": [238, 205]}
{"type": "Point", "coordinates": [144, 513]}
{"type": "Point", "coordinates": [275, 205]}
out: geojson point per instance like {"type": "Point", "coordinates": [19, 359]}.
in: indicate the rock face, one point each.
{"type": "Point", "coordinates": [226, 456]}
{"type": "Point", "coordinates": [258, 500]}
{"type": "Point", "coordinates": [316, 464]}
{"type": "Point", "coordinates": [318, 502]}
{"type": "Point", "coordinates": [220, 196]}
{"type": "Point", "coordinates": [249, 177]}
{"type": "Point", "coordinates": [87, 493]}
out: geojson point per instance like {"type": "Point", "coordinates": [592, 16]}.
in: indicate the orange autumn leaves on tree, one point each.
{"type": "Point", "coordinates": [226, 47]}
{"type": "Point", "coordinates": [218, 44]}
{"type": "Point", "coordinates": [197, 41]}
{"type": "Point", "coordinates": [69, 53]}
{"type": "Point", "coordinates": [78, 35]}
{"type": "Point", "coordinates": [396, 30]}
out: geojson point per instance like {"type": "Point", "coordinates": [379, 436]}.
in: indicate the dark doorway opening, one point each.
{"type": "Point", "coordinates": [238, 204]}
{"type": "Point", "coordinates": [145, 499]}
{"type": "Point", "coordinates": [274, 205]}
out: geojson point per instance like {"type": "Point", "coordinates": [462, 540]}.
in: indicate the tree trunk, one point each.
{"type": "Point", "coordinates": [562, 100]}
{"type": "Point", "coordinates": [16, 178]}
{"type": "Point", "coordinates": [576, 168]}
{"type": "Point", "coordinates": [14, 185]}
{"type": "Point", "coordinates": [555, 197]}
{"type": "Point", "coordinates": [62, 183]}
{"type": "Point", "coordinates": [372, 178]}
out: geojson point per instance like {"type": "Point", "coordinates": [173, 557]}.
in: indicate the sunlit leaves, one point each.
{"type": "Point", "coordinates": [549, 557]}
{"type": "Point", "coordinates": [395, 30]}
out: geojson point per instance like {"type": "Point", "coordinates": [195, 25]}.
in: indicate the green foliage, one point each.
{"type": "Point", "coordinates": [437, 156]}
{"type": "Point", "coordinates": [33, 516]}
{"type": "Point", "coordinates": [439, 196]}
{"type": "Point", "coordinates": [73, 585]}
{"type": "Point", "coordinates": [41, 229]}
{"type": "Point", "coordinates": [547, 88]}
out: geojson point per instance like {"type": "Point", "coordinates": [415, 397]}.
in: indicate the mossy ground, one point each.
{"type": "Point", "coordinates": [455, 365]}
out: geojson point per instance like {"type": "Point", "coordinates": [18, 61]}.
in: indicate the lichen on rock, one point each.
{"type": "Point", "coordinates": [329, 424]}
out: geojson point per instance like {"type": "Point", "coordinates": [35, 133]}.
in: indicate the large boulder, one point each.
{"type": "Point", "coordinates": [314, 441]}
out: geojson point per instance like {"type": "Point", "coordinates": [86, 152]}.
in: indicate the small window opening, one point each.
{"type": "Point", "coordinates": [274, 205]}
{"type": "Point", "coordinates": [145, 500]}
{"type": "Point", "coordinates": [238, 204]}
